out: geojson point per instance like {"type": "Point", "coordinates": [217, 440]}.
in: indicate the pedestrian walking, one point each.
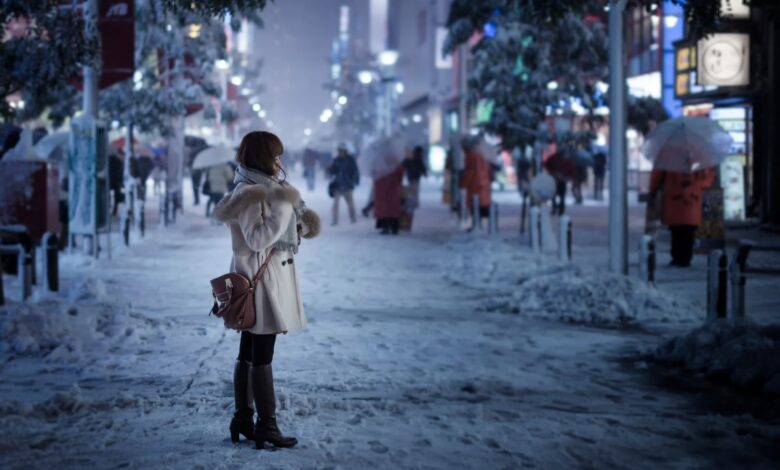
{"type": "Point", "coordinates": [267, 219]}
{"type": "Point", "coordinates": [681, 207]}
{"type": "Point", "coordinates": [219, 178]}
{"type": "Point", "coordinates": [344, 171]}
{"type": "Point", "coordinates": [415, 170]}
{"type": "Point", "coordinates": [475, 179]}
{"type": "Point", "coordinates": [561, 167]}
{"type": "Point", "coordinates": [387, 199]}
{"type": "Point", "coordinates": [197, 178]}
{"type": "Point", "coordinates": [582, 160]}
{"type": "Point", "coordinates": [310, 168]}
{"type": "Point", "coordinates": [599, 172]}
{"type": "Point", "coordinates": [116, 174]}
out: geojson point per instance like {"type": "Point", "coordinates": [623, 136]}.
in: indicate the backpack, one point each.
{"type": "Point", "coordinates": [234, 298]}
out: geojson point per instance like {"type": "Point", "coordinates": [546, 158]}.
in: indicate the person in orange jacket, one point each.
{"type": "Point", "coordinates": [681, 207]}
{"type": "Point", "coordinates": [475, 179]}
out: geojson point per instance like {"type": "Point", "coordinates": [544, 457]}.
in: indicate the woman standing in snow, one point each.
{"type": "Point", "coordinates": [266, 218]}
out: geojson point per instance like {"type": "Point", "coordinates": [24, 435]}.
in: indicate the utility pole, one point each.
{"type": "Point", "coordinates": [90, 70]}
{"type": "Point", "coordinates": [618, 198]}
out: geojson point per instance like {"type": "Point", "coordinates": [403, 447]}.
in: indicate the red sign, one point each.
{"type": "Point", "coordinates": [116, 23]}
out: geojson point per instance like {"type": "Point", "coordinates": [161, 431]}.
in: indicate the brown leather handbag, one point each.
{"type": "Point", "coordinates": [234, 298]}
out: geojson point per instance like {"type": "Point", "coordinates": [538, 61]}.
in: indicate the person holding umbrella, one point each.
{"type": "Point", "coordinates": [684, 152]}
{"type": "Point", "coordinates": [561, 168]}
{"type": "Point", "coordinates": [384, 161]}
{"type": "Point", "coordinates": [476, 177]}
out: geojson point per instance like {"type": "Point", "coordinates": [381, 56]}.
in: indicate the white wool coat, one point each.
{"type": "Point", "coordinates": [257, 218]}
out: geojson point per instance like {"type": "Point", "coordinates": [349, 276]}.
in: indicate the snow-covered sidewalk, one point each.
{"type": "Point", "coordinates": [413, 358]}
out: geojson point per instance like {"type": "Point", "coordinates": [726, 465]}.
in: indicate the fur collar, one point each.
{"type": "Point", "coordinates": [228, 208]}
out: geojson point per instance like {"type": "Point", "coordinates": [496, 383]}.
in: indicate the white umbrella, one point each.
{"type": "Point", "coordinates": [383, 156]}
{"type": "Point", "coordinates": [54, 145]}
{"type": "Point", "coordinates": [687, 144]}
{"type": "Point", "coordinates": [487, 151]}
{"type": "Point", "coordinates": [213, 156]}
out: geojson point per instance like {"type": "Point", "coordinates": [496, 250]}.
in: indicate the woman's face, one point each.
{"type": "Point", "coordinates": [277, 164]}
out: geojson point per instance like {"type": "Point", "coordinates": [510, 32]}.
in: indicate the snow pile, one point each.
{"type": "Point", "coordinates": [62, 328]}
{"type": "Point", "coordinates": [523, 283]}
{"type": "Point", "coordinates": [575, 294]}
{"type": "Point", "coordinates": [745, 354]}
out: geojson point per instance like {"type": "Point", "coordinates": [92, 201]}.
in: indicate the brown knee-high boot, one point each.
{"type": "Point", "coordinates": [266, 429]}
{"type": "Point", "coordinates": [242, 418]}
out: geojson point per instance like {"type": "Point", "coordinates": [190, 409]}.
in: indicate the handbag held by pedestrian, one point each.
{"type": "Point", "coordinates": [234, 298]}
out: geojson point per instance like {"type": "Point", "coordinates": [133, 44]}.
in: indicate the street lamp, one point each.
{"type": "Point", "coordinates": [365, 77]}
{"type": "Point", "coordinates": [342, 100]}
{"type": "Point", "coordinates": [222, 64]}
{"type": "Point", "coordinates": [388, 58]}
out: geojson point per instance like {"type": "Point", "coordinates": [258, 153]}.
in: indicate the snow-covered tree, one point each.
{"type": "Point", "coordinates": [531, 68]}
{"type": "Point", "coordinates": [44, 47]}
{"type": "Point", "coordinates": [466, 16]}
{"type": "Point", "coordinates": [644, 112]}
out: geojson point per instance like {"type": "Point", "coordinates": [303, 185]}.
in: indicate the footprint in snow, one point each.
{"type": "Point", "coordinates": [377, 447]}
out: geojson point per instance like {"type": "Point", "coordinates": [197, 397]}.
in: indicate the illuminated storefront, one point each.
{"type": "Point", "coordinates": [712, 78]}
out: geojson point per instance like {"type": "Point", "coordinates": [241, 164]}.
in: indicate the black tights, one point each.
{"type": "Point", "coordinates": [259, 349]}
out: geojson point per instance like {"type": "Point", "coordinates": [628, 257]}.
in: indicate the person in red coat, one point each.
{"type": "Point", "coordinates": [475, 179]}
{"type": "Point", "coordinates": [387, 200]}
{"type": "Point", "coordinates": [681, 207]}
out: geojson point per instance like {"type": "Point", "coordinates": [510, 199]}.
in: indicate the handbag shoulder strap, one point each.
{"type": "Point", "coordinates": [262, 267]}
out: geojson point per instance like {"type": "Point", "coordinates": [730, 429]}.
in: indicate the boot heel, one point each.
{"type": "Point", "coordinates": [260, 445]}
{"type": "Point", "coordinates": [234, 433]}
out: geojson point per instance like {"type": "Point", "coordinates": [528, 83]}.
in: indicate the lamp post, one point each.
{"type": "Point", "coordinates": [387, 60]}
{"type": "Point", "coordinates": [618, 199]}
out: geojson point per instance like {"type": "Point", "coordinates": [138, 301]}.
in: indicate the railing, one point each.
{"type": "Point", "coordinates": [18, 243]}
{"type": "Point", "coordinates": [739, 269]}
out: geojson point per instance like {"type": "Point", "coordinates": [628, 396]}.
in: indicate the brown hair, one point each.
{"type": "Point", "coordinates": [258, 150]}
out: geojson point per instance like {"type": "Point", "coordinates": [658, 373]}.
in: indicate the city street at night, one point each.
{"type": "Point", "coordinates": [389, 234]}
{"type": "Point", "coordinates": [403, 366]}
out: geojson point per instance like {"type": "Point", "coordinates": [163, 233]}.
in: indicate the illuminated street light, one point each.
{"type": "Point", "coordinates": [388, 58]}
{"type": "Point", "coordinates": [365, 77]}
{"type": "Point", "coordinates": [327, 113]}
{"type": "Point", "coordinates": [222, 64]}
{"type": "Point", "coordinates": [417, 118]}
{"type": "Point", "coordinates": [256, 107]}
{"type": "Point", "coordinates": [307, 132]}
{"type": "Point", "coordinates": [246, 91]}
{"type": "Point", "coordinates": [236, 80]}
{"type": "Point", "coordinates": [342, 100]}
{"type": "Point", "coordinates": [261, 113]}
{"type": "Point", "coordinates": [553, 85]}
{"type": "Point", "coordinates": [399, 88]}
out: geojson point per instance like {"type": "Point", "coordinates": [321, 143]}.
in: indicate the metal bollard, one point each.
{"type": "Point", "coordinates": [738, 281]}
{"type": "Point", "coordinates": [477, 220]}
{"type": "Point", "coordinates": [2, 291]}
{"type": "Point", "coordinates": [463, 205]}
{"type": "Point", "coordinates": [534, 224]}
{"type": "Point", "coordinates": [24, 270]}
{"type": "Point", "coordinates": [716, 284]}
{"type": "Point", "coordinates": [647, 258]}
{"type": "Point", "coordinates": [564, 238]}
{"type": "Point", "coordinates": [522, 214]}
{"type": "Point", "coordinates": [51, 260]}
{"type": "Point", "coordinates": [651, 263]}
{"type": "Point", "coordinates": [493, 220]}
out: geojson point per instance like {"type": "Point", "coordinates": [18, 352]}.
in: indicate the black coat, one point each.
{"type": "Point", "coordinates": [345, 173]}
{"type": "Point", "coordinates": [415, 168]}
